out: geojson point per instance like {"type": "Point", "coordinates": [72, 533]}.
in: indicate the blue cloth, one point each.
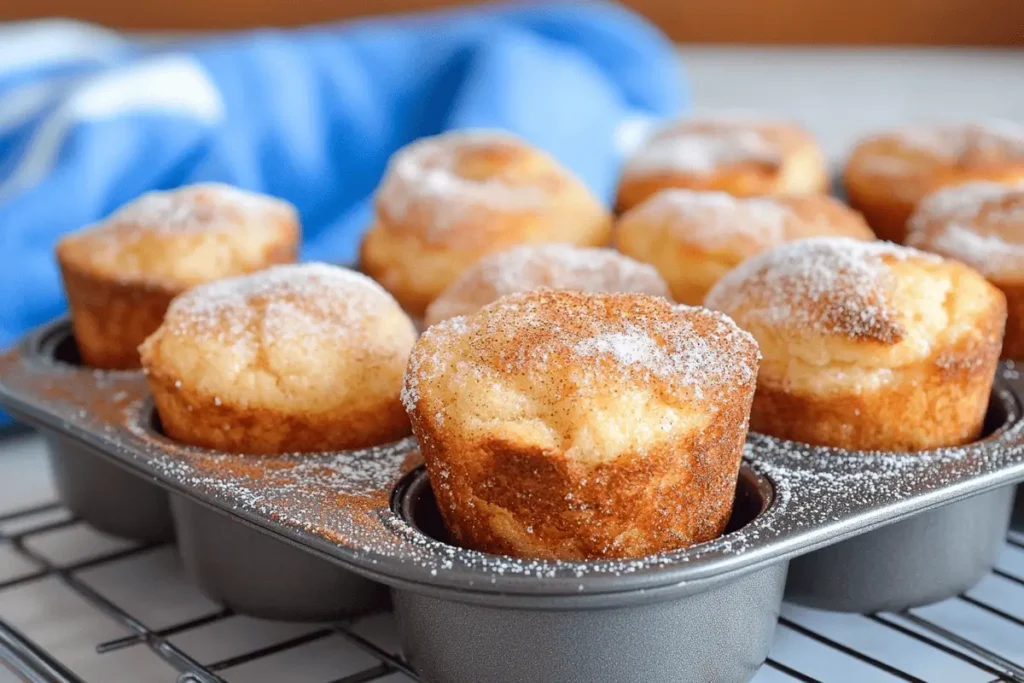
{"type": "Point", "coordinates": [89, 120]}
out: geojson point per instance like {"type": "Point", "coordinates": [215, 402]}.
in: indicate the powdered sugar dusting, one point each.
{"type": "Point", "coordinates": [824, 285]}
{"type": "Point", "coordinates": [194, 208]}
{"type": "Point", "coordinates": [981, 224]}
{"type": "Point", "coordinates": [965, 144]}
{"type": "Point", "coordinates": [289, 302]}
{"type": "Point", "coordinates": [546, 334]}
{"type": "Point", "coordinates": [545, 266]}
{"type": "Point", "coordinates": [703, 148]}
{"type": "Point", "coordinates": [427, 177]}
{"type": "Point", "coordinates": [715, 219]}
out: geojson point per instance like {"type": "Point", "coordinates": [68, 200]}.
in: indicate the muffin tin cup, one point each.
{"type": "Point", "coordinates": [457, 637]}
{"type": "Point", "coordinates": [469, 616]}
{"type": "Point", "coordinates": [723, 634]}
{"type": "Point", "coordinates": [1010, 373]}
{"type": "Point", "coordinates": [258, 575]}
{"type": "Point", "coordinates": [102, 493]}
{"type": "Point", "coordinates": [930, 557]}
{"type": "Point", "coordinates": [107, 496]}
{"type": "Point", "coordinates": [1017, 520]}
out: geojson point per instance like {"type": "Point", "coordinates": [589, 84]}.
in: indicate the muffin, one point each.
{"type": "Point", "coordinates": [867, 345]}
{"type": "Point", "coordinates": [121, 274]}
{"type": "Point", "coordinates": [694, 238]}
{"type": "Point", "coordinates": [545, 266]}
{"type": "Point", "coordinates": [296, 358]}
{"type": "Point", "coordinates": [982, 225]}
{"type": "Point", "coordinates": [447, 201]}
{"type": "Point", "coordinates": [741, 157]}
{"type": "Point", "coordinates": [577, 426]}
{"type": "Point", "coordinates": [890, 172]}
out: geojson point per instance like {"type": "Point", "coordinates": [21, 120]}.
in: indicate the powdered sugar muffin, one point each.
{"type": "Point", "coordinates": [694, 238]}
{"type": "Point", "coordinates": [982, 225]}
{"type": "Point", "coordinates": [867, 345]}
{"type": "Point", "coordinates": [295, 358]}
{"type": "Point", "coordinates": [890, 172]}
{"type": "Point", "coordinates": [121, 274]}
{"type": "Point", "coordinates": [447, 201]}
{"type": "Point", "coordinates": [739, 156]}
{"type": "Point", "coordinates": [576, 425]}
{"type": "Point", "coordinates": [545, 266]}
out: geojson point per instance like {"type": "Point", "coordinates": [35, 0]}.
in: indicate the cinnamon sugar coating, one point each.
{"type": "Point", "coordinates": [295, 358]}
{"type": "Point", "coordinates": [888, 173]}
{"type": "Point", "coordinates": [867, 345]}
{"type": "Point", "coordinates": [121, 273]}
{"type": "Point", "coordinates": [568, 425]}
{"type": "Point", "coordinates": [694, 238]}
{"type": "Point", "coordinates": [446, 201]}
{"type": "Point", "coordinates": [545, 266]}
{"type": "Point", "coordinates": [737, 156]}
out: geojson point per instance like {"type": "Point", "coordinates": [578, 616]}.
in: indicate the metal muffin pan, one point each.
{"type": "Point", "coordinates": [101, 492]}
{"type": "Point", "coordinates": [259, 575]}
{"type": "Point", "coordinates": [339, 507]}
{"type": "Point", "coordinates": [233, 564]}
{"type": "Point", "coordinates": [932, 556]}
{"type": "Point", "coordinates": [1010, 372]}
{"type": "Point", "coordinates": [458, 636]}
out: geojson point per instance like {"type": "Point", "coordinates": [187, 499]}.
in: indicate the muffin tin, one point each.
{"type": "Point", "coordinates": [466, 616]}
{"type": "Point", "coordinates": [1010, 372]}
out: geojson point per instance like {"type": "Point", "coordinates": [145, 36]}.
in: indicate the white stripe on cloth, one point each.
{"type": "Point", "coordinates": [171, 85]}
{"type": "Point", "coordinates": [23, 103]}
{"type": "Point", "coordinates": [38, 44]}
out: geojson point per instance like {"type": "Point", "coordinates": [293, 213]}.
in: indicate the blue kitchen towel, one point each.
{"type": "Point", "coordinates": [89, 119]}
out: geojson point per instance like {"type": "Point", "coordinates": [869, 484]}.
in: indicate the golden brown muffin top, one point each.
{"type": "Point", "coordinates": [178, 238]}
{"type": "Point", "coordinates": [718, 221]}
{"type": "Point", "coordinates": [705, 146]}
{"type": "Point", "coordinates": [283, 337]}
{"type": "Point", "coordinates": [448, 188]}
{"type": "Point", "coordinates": [980, 224]}
{"type": "Point", "coordinates": [826, 286]}
{"type": "Point", "coordinates": [591, 375]}
{"type": "Point", "coordinates": [843, 303]}
{"type": "Point", "coordinates": [545, 266]}
{"type": "Point", "coordinates": [961, 146]}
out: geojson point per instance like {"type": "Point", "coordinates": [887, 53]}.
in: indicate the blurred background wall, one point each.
{"type": "Point", "coordinates": [840, 22]}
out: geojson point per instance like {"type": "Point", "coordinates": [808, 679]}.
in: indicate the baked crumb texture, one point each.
{"type": "Point", "coordinates": [297, 358]}
{"type": "Point", "coordinates": [694, 237]}
{"type": "Point", "coordinates": [121, 274]}
{"type": "Point", "coordinates": [576, 426]}
{"type": "Point", "coordinates": [742, 157]}
{"type": "Point", "coordinates": [890, 172]}
{"type": "Point", "coordinates": [867, 345]}
{"type": "Point", "coordinates": [446, 201]}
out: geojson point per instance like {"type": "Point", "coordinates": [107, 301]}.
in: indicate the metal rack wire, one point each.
{"type": "Point", "coordinates": [34, 663]}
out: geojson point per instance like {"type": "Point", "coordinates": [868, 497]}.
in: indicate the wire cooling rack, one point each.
{"type": "Point", "coordinates": [79, 606]}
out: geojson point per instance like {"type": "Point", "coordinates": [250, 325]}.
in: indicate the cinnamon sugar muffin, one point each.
{"type": "Point", "coordinates": [577, 426]}
{"type": "Point", "coordinates": [447, 201]}
{"type": "Point", "coordinates": [867, 345]}
{"type": "Point", "coordinates": [738, 156]}
{"type": "Point", "coordinates": [890, 172]}
{"type": "Point", "coordinates": [121, 274]}
{"type": "Point", "coordinates": [982, 225]}
{"type": "Point", "coordinates": [694, 238]}
{"type": "Point", "coordinates": [292, 359]}
{"type": "Point", "coordinates": [545, 266]}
